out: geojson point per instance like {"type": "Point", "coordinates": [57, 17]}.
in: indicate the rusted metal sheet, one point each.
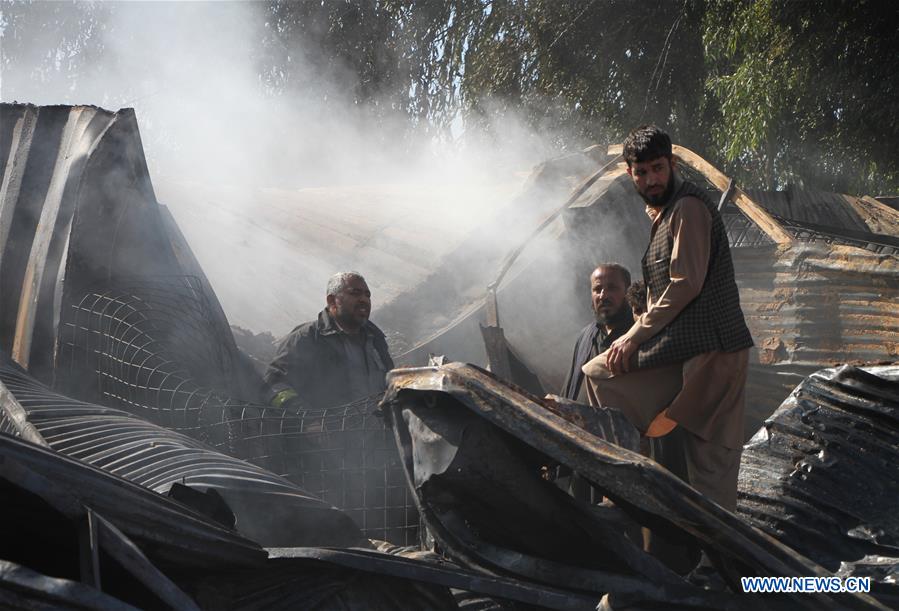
{"type": "Point", "coordinates": [829, 209]}
{"type": "Point", "coordinates": [812, 306]}
{"type": "Point", "coordinates": [822, 474]}
{"type": "Point", "coordinates": [877, 216]}
{"type": "Point", "coordinates": [465, 435]}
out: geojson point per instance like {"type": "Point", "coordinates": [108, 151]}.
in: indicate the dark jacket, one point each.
{"type": "Point", "coordinates": [312, 362]}
{"type": "Point", "coordinates": [592, 341]}
{"type": "Point", "coordinates": [713, 321]}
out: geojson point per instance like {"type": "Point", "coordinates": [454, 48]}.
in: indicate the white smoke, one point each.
{"type": "Point", "coordinates": [275, 192]}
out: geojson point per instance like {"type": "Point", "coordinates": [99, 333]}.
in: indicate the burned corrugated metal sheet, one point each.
{"type": "Point", "coordinates": [437, 569]}
{"type": "Point", "coordinates": [151, 552]}
{"type": "Point", "coordinates": [146, 516]}
{"type": "Point", "coordinates": [44, 155]}
{"type": "Point", "coordinates": [269, 509]}
{"type": "Point", "coordinates": [473, 448]}
{"type": "Point", "coordinates": [287, 584]}
{"type": "Point", "coordinates": [205, 558]}
{"type": "Point", "coordinates": [822, 475]}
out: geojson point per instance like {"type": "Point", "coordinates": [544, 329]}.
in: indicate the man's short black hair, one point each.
{"type": "Point", "coordinates": [636, 297]}
{"type": "Point", "coordinates": [646, 143]}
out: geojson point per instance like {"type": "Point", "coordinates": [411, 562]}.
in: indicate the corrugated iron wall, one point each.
{"type": "Point", "coordinates": [810, 306]}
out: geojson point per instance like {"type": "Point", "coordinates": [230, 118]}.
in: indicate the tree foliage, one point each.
{"type": "Point", "coordinates": [776, 91]}
{"type": "Point", "coordinates": [587, 70]}
{"type": "Point", "coordinates": [806, 91]}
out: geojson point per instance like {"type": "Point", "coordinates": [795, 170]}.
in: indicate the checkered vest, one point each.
{"type": "Point", "coordinates": [713, 320]}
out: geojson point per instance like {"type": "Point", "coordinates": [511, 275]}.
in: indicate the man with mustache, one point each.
{"type": "Point", "coordinates": [687, 356]}
{"type": "Point", "coordinates": [337, 359]}
{"type": "Point", "coordinates": [609, 283]}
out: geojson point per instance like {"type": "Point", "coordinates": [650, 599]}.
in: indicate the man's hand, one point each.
{"type": "Point", "coordinates": [619, 355]}
{"type": "Point", "coordinates": [286, 398]}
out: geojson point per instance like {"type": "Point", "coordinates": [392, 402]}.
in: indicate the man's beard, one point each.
{"type": "Point", "coordinates": [610, 318]}
{"type": "Point", "coordinates": [663, 197]}
{"type": "Point", "coordinates": [604, 319]}
{"type": "Point", "coordinates": [346, 318]}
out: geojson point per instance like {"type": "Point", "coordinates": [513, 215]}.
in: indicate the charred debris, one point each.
{"type": "Point", "coordinates": [140, 469]}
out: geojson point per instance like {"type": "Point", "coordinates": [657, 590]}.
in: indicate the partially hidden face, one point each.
{"type": "Point", "coordinates": [608, 291]}
{"type": "Point", "coordinates": [352, 306]}
{"type": "Point", "coordinates": [653, 179]}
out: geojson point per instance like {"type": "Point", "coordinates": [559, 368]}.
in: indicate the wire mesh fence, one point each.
{"type": "Point", "coordinates": [150, 347]}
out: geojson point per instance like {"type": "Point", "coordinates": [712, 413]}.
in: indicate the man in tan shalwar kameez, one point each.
{"type": "Point", "coordinates": [683, 363]}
